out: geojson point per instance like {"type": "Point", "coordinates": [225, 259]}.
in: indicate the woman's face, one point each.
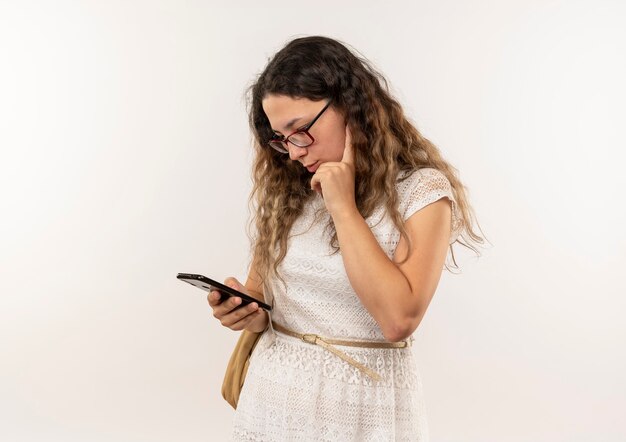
{"type": "Point", "coordinates": [287, 114]}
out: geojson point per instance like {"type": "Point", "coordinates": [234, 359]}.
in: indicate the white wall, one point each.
{"type": "Point", "coordinates": [125, 160]}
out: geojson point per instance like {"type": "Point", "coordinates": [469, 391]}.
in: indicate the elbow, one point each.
{"type": "Point", "coordinates": [401, 329]}
{"type": "Point", "coordinates": [397, 334]}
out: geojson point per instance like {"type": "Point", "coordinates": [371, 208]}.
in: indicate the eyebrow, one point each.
{"type": "Point", "coordinates": [289, 124]}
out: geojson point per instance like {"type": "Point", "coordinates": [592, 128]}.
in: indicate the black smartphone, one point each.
{"type": "Point", "coordinates": [209, 285]}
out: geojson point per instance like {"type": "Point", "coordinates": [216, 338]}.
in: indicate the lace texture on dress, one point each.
{"type": "Point", "coordinates": [295, 391]}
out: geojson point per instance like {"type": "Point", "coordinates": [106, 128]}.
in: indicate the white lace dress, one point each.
{"type": "Point", "coordinates": [296, 391]}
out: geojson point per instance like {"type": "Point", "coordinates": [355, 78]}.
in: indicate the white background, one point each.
{"type": "Point", "coordinates": [125, 159]}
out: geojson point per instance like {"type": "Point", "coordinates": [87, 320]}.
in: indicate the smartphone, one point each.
{"type": "Point", "coordinates": [209, 285]}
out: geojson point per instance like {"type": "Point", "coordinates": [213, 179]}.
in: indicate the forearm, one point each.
{"type": "Point", "coordinates": [380, 285]}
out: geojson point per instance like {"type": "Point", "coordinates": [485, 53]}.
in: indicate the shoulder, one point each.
{"type": "Point", "coordinates": [423, 181]}
{"type": "Point", "coordinates": [419, 188]}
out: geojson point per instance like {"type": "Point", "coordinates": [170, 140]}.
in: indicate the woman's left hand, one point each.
{"type": "Point", "coordinates": [335, 181]}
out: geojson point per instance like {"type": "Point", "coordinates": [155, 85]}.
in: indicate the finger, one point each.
{"type": "Point", "coordinates": [232, 303]}
{"type": "Point", "coordinates": [348, 151]}
{"type": "Point", "coordinates": [239, 314]}
{"type": "Point", "coordinates": [315, 181]}
{"type": "Point", "coordinates": [246, 321]}
{"type": "Point", "coordinates": [233, 283]}
{"type": "Point", "coordinates": [214, 298]}
{"type": "Point", "coordinates": [227, 306]}
{"type": "Point", "coordinates": [316, 184]}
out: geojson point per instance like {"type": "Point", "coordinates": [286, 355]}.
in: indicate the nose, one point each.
{"type": "Point", "coordinates": [296, 152]}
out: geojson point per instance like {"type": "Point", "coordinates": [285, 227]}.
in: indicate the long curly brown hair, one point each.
{"type": "Point", "coordinates": [385, 143]}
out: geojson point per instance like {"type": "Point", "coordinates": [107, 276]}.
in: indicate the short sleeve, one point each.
{"type": "Point", "coordinates": [423, 187]}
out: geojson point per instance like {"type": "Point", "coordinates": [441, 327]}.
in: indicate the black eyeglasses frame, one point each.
{"type": "Point", "coordinates": [280, 143]}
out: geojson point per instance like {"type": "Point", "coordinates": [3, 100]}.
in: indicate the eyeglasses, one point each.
{"type": "Point", "coordinates": [300, 138]}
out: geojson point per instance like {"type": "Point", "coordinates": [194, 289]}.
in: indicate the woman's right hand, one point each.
{"type": "Point", "coordinates": [250, 317]}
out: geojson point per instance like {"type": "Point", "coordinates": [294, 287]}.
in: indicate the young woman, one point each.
{"type": "Point", "coordinates": [354, 214]}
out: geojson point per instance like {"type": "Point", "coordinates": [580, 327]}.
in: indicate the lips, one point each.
{"type": "Point", "coordinates": [313, 167]}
